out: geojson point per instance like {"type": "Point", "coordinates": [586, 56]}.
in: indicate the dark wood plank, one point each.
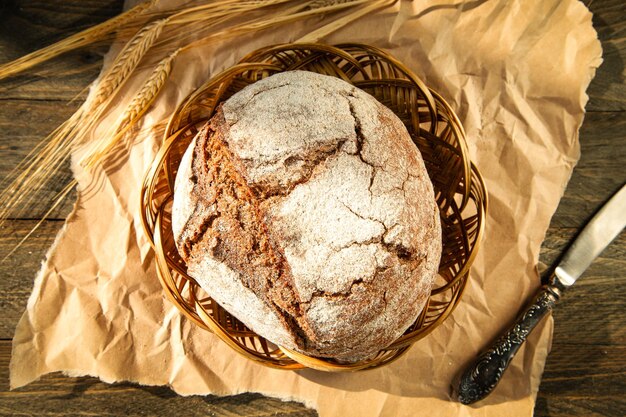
{"type": "Point", "coordinates": [26, 26]}
{"type": "Point", "coordinates": [34, 103]}
{"type": "Point", "coordinates": [591, 312]}
{"type": "Point", "coordinates": [600, 170]}
{"type": "Point", "coordinates": [608, 90]}
{"type": "Point", "coordinates": [584, 379]}
{"type": "Point", "coordinates": [19, 269]}
{"type": "Point", "coordinates": [585, 373]}
{"type": "Point", "coordinates": [57, 395]}
{"type": "Point", "coordinates": [24, 124]}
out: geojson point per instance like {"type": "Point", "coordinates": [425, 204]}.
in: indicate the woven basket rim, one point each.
{"type": "Point", "coordinates": [470, 190]}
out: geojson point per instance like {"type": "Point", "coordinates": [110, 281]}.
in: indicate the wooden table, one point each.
{"type": "Point", "coordinates": [586, 372]}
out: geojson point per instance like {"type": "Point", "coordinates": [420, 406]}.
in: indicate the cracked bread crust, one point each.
{"type": "Point", "coordinates": [305, 210]}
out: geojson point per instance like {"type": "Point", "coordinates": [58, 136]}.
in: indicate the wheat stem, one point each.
{"type": "Point", "coordinates": [316, 4]}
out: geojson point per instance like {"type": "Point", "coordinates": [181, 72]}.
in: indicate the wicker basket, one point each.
{"type": "Point", "coordinates": [435, 130]}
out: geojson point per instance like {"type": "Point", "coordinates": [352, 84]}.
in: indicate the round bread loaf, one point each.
{"type": "Point", "coordinates": [304, 209]}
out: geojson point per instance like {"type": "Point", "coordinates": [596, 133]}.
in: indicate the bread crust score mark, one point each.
{"type": "Point", "coordinates": [246, 211]}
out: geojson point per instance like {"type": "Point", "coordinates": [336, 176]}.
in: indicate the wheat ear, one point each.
{"type": "Point", "coordinates": [78, 40]}
{"type": "Point", "coordinates": [127, 60]}
{"type": "Point", "coordinates": [135, 110]}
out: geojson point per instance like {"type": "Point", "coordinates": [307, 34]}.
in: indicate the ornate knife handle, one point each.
{"type": "Point", "coordinates": [482, 376]}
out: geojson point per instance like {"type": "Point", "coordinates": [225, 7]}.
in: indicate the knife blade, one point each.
{"type": "Point", "coordinates": [484, 373]}
{"type": "Point", "coordinates": [595, 237]}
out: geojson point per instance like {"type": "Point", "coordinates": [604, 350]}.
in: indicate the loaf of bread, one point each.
{"type": "Point", "coordinates": [304, 209]}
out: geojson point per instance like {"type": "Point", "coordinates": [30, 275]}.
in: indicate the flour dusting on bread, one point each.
{"type": "Point", "coordinates": [304, 208]}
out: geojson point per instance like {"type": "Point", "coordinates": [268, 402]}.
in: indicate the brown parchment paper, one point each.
{"type": "Point", "coordinates": [515, 72]}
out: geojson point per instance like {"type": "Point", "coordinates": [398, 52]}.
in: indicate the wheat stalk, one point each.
{"type": "Point", "coordinates": [49, 156]}
{"type": "Point", "coordinates": [115, 77]}
{"type": "Point", "coordinates": [142, 100]}
{"type": "Point", "coordinates": [223, 7]}
{"type": "Point", "coordinates": [135, 110]}
{"type": "Point", "coordinates": [44, 161]}
{"type": "Point", "coordinates": [153, 85]}
{"type": "Point", "coordinates": [57, 200]}
{"type": "Point", "coordinates": [124, 64]}
{"type": "Point", "coordinates": [190, 23]}
{"type": "Point", "coordinates": [127, 60]}
{"type": "Point", "coordinates": [78, 40]}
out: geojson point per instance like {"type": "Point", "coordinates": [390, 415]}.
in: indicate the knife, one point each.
{"type": "Point", "coordinates": [482, 376]}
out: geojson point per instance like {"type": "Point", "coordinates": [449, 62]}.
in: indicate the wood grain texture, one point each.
{"type": "Point", "coordinates": [24, 123]}
{"type": "Point", "coordinates": [57, 395]}
{"type": "Point", "coordinates": [584, 374]}
{"type": "Point", "coordinates": [15, 283]}
{"type": "Point", "coordinates": [600, 171]}
{"type": "Point", "coordinates": [26, 26]}
{"type": "Point", "coordinates": [33, 103]}
{"type": "Point", "coordinates": [608, 90]}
